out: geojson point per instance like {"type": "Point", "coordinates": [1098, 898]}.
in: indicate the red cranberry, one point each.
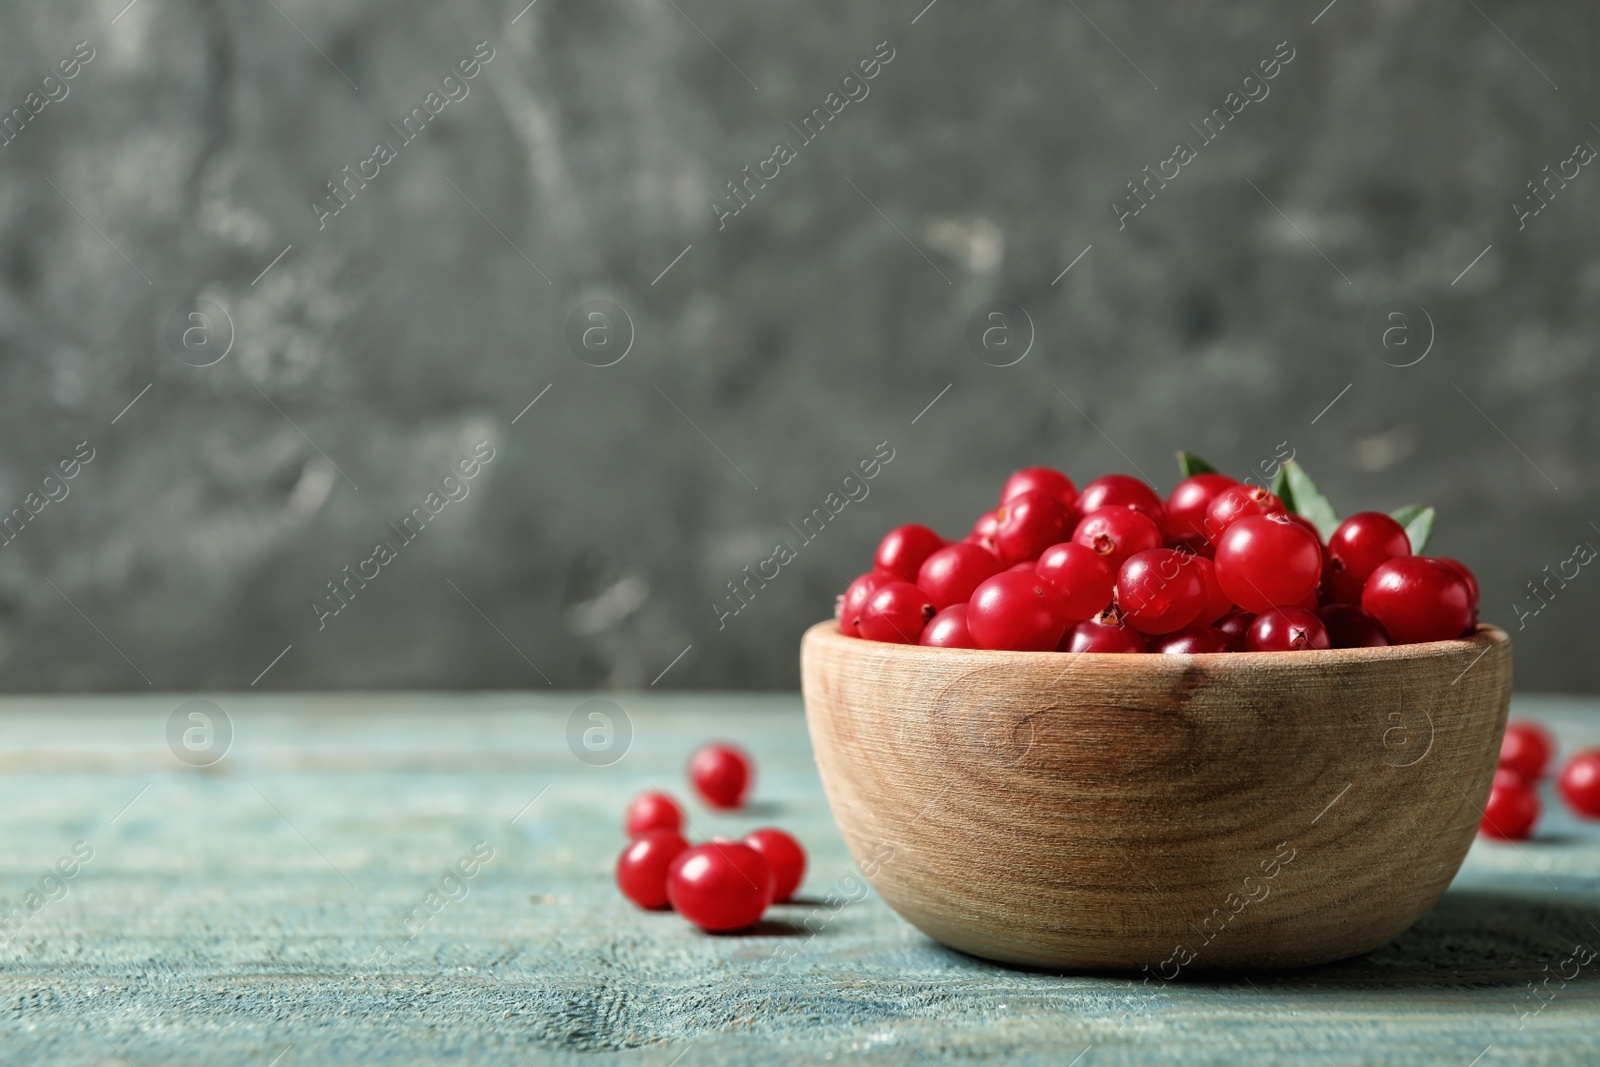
{"type": "Point", "coordinates": [1120, 490]}
{"type": "Point", "coordinates": [721, 774]}
{"type": "Point", "coordinates": [1029, 523]}
{"type": "Point", "coordinates": [1580, 783]}
{"type": "Point", "coordinates": [948, 629]}
{"type": "Point", "coordinates": [1018, 612]}
{"type": "Point", "coordinates": [1235, 624]}
{"type": "Point", "coordinates": [1081, 576]}
{"type": "Point", "coordinates": [1350, 627]}
{"type": "Point", "coordinates": [896, 612]}
{"type": "Point", "coordinates": [1526, 749]}
{"type": "Point", "coordinates": [951, 574]}
{"type": "Point", "coordinates": [1418, 599]}
{"type": "Point", "coordinates": [1218, 603]}
{"type": "Point", "coordinates": [1040, 479]}
{"type": "Point", "coordinates": [1238, 502]}
{"type": "Point", "coordinates": [1187, 506]}
{"type": "Point", "coordinates": [1338, 586]}
{"type": "Point", "coordinates": [903, 549]}
{"type": "Point", "coordinates": [1286, 630]}
{"type": "Point", "coordinates": [1365, 540]}
{"type": "Point", "coordinates": [1195, 640]}
{"type": "Point", "coordinates": [1115, 533]}
{"type": "Point", "coordinates": [1159, 592]}
{"type": "Point", "coordinates": [721, 885]}
{"type": "Point", "coordinates": [784, 855]}
{"type": "Point", "coordinates": [642, 867]}
{"type": "Point", "coordinates": [1510, 813]}
{"type": "Point", "coordinates": [1466, 576]}
{"type": "Point", "coordinates": [1104, 633]}
{"type": "Point", "coordinates": [983, 532]}
{"type": "Point", "coordinates": [652, 811]}
{"type": "Point", "coordinates": [854, 601]}
{"type": "Point", "coordinates": [1266, 561]}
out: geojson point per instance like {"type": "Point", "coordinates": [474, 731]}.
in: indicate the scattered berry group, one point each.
{"type": "Point", "coordinates": [721, 884]}
{"type": "Point", "coordinates": [1513, 808]}
{"type": "Point", "coordinates": [1219, 566]}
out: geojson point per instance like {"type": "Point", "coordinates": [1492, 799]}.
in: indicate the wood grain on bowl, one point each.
{"type": "Point", "coordinates": [1180, 813]}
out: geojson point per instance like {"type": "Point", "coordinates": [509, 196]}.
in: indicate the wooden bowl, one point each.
{"type": "Point", "coordinates": [1089, 811]}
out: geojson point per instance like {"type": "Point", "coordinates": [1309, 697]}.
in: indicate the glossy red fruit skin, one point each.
{"type": "Point", "coordinates": [950, 575]}
{"type": "Point", "coordinates": [1338, 586]}
{"type": "Point", "coordinates": [1115, 533]}
{"type": "Point", "coordinates": [1526, 749]}
{"type": "Point", "coordinates": [1418, 599]}
{"type": "Point", "coordinates": [896, 612]}
{"type": "Point", "coordinates": [1040, 479]}
{"type": "Point", "coordinates": [784, 855]}
{"type": "Point", "coordinates": [1365, 540]}
{"type": "Point", "coordinates": [1286, 630]}
{"type": "Point", "coordinates": [721, 774]}
{"type": "Point", "coordinates": [1510, 813]}
{"type": "Point", "coordinates": [1104, 634]}
{"type": "Point", "coordinates": [1266, 561]}
{"type": "Point", "coordinates": [1120, 490]}
{"type": "Point", "coordinates": [1238, 502]}
{"type": "Point", "coordinates": [1350, 627]}
{"type": "Point", "coordinates": [1194, 640]}
{"type": "Point", "coordinates": [1159, 591]}
{"type": "Point", "coordinates": [902, 550]}
{"type": "Point", "coordinates": [1579, 783]}
{"type": "Point", "coordinates": [948, 629]}
{"type": "Point", "coordinates": [652, 811]}
{"type": "Point", "coordinates": [1187, 504]}
{"type": "Point", "coordinates": [721, 885]}
{"type": "Point", "coordinates": [1028, 524]}
{"type": "Point", "coordinates": [1218, 603]}
{"type": "Point", "coordinates": [1235, 624]}
{"type": "Point", "coordinates": [642, 867]}
{"type": "Point", "coordinates": [1467, 576]}
{"type": "Point", "coordinates": [1017, 612]}
{"type": "Point", "coordinates": [854, 601]}
{"type": "Point", "coordinates": [1082, 577]}
{"type": "Point", "coordinates": [983, 532]}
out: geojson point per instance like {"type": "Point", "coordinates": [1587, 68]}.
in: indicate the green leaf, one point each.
{"type": "Point", "coordinates": [1418, 521]}
{"type": "Point", "coordinates": [1308, 500]}
{"type": "Point", "coordinates": [1280, 489]}
{"type": "Point", "coordinates": [1190, 464]}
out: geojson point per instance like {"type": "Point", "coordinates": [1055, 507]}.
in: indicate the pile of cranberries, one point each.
{"type": "Point", "coordinates": [1218, 566]}
{"type": "Point", "coordinates": [1513, 807]}
{"type": "Point", "coordinates": [722, 884]}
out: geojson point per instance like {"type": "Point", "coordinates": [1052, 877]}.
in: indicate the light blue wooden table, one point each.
{"type": "Point", "coordinates": [275, 907]}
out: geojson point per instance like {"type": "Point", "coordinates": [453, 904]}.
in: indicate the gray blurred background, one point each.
{"type": "Point", "coordinates": [368, 357]}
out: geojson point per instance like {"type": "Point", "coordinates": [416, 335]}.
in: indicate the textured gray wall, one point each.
{"type": "Point", "coordinates": [421, 319]}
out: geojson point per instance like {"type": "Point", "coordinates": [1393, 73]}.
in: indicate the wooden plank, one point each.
{"type": "Point", "coordinates": [259, 907]}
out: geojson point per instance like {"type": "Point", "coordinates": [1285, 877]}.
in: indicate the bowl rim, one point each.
{"type": "Point", "coordinates": [1484, 635]}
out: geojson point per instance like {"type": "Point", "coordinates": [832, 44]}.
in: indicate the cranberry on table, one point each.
{"type": "Point", "coordinates": [1418, 599]}
{"type": "Point", "coordinates": [896, 612]}
{"type": "Point", "coordinates": [1266, 561]}
{"type": "Point", "coordinates": [1511, 811]}
{"type": "Point", "coordinates": [1120, 490]}
{"type": "Point", "coordinates": [1082, 577]}
{"type": "Point", "coordinates": [1029, 523]}
{"type": "Point", "coordinates": [784, 855]}
{"type": "Point", "coordinates": [1579, 783]}
{"type": "Point", "coordinates": [1350, 627]}
{"type": "Point", "coordinates": [1040, 479]}
{"type": "Point", "coordinates": [1159, 591]}
{"type": "Point", "coordinates": [1185, 512]}
{"type": "Point", "coordinates": [1194, 640]}
{"type": "Point", "coordinates": [642, 867]}
{"type": "Point", "coordinates": [1526, 749]}
{"type": "Point", "coordinates": [948, 629]}
{"type": "Point", "coordinates": [854, 601]}
{"type": "Point", "coordinates": [721, 774]}
{"type": "Point", "coordinates": [1286, 630]}
{"type": "Point", "coordinates": [1017, 612]}
{"type": "Point", "coordinates": [652, 811]}
{"type": "Point", "coordinates": [721, 885]}
{"type": "Point", "coordinates": [1115, 533]}
{"type": "Point", "coordinates": [1104, 634]}
{"type": "Point", "coordinates": [903, 549]}
{"type": "Point", "coordinates": [1238, 502]}
{"type": "Point", "coordinates": [950, 575]}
